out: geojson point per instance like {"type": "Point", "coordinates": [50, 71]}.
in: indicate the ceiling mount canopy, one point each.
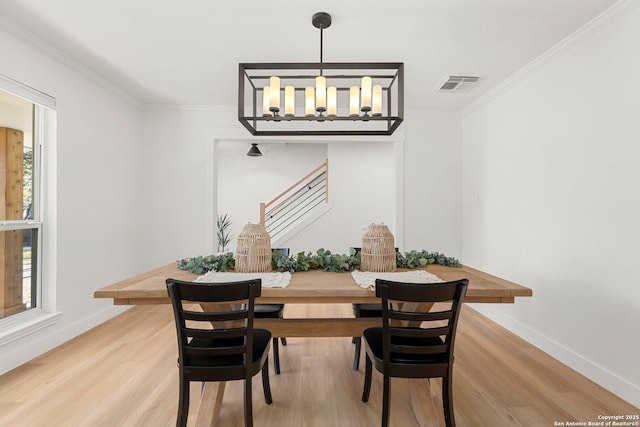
{"type": "Point", "coordinates": [323, 98]}
{"type": "Point", "coordinates": [321, 20]}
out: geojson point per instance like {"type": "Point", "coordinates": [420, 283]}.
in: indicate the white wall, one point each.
{"type": "Point", "coordinates": [433, 182]}
{"type": "Point", "coordinates": [178, 181]}
{"type": "Point", "coordinates": [97, 157]}
{"type": "Point", "coordinates": [551, 187]}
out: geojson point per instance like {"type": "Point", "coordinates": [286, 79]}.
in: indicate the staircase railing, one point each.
{"type": "Point", "coordinates": [293, 204]}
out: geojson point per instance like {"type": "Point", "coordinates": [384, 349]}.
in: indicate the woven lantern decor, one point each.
{"type": "Point", "coordinates": [378, 251]}
{"type": "Point", "coordinates": [253, 252]}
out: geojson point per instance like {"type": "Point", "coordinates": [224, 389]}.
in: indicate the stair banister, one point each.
{"type": "Point", "coordinates": [264, 206]}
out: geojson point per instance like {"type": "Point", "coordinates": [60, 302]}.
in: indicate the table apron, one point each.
{"type": "Point", "coordinates": [302, 300]}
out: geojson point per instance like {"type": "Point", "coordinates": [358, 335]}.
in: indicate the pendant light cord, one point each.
{"type": "Point", "coordinates": [321, 38]}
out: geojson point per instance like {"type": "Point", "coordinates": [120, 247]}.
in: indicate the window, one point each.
{"type": "Point", "coordinates": [25, 126]}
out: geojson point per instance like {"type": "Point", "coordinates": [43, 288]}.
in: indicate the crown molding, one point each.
{"type": "Point", "coordinates": [42, 46]}
{"type": "Point", "coordinates": [26, 92]}
{"type": "Point", "coordinates": [599, 23]}
{"type": "Point", "coordinates": [188, 107]}
{"type": "Point", "coordinates": [445, 114]}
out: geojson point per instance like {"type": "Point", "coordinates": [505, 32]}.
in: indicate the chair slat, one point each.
{"type": "Point", "coordinates": [406, 315]}
{"type": "Point", "coordinates": [216, 333]}
{"type": "Point", "coordinates": [412, 349]}
{"type": "Point", "coordinates": [217, 316]}
{"type": "Point", "coordinates": [419, 332]}
{"type": "Point", "coordinates": [422, 292]}
{"type": "Point", "coordinates": [216, 351]}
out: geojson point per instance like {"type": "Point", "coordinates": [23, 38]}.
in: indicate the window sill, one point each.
{"type": "Point", "coordinates": [23, 324]}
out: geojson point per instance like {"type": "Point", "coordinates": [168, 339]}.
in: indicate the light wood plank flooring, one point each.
{"type": "Point", "coordinates": [123, 373]}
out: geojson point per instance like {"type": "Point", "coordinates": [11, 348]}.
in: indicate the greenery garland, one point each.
{"type": "Point", "coordinates": [322, 259]}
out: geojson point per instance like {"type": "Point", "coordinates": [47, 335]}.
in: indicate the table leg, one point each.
{"type": "Point", "coordinates": [423, 402]}
{"type": "Point", "coordinates": [213, 392]}
{"type": "Point", "coordinates": [210, 404]}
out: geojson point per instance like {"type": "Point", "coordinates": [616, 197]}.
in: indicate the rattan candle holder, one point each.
{"type": "Point", "coordinates": [378, 251]}
{"type": "Point", "coordinates": [253, 252]}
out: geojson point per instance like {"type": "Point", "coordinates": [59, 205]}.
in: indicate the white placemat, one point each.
{"type": "Point", "coordinates": [269, 280]}
{"type": "Point", "coordinates": [367, 279]}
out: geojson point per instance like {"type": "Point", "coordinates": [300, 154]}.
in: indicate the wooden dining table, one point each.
{"type": "Point", "coordinates": [309, 287]}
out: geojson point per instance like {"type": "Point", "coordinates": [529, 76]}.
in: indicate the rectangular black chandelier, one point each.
{"type": "Point", "coordinates": [321, 98]}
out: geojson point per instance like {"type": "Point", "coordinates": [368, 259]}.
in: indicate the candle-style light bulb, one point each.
{"type": "Point", "coordinates": [265, 102]}
{"type": "Point", "coordinates": [274, 95]}
{"type": "Point", "coordinates": [365, 95]}
{"type": "Point", "coordinates": [289, 101]}
{"type": "Point", "coordinates": [332, 101]}
{"type": "Point", "coordinates": [376, 107]}
{"type": "Point", "coordinates": [354, 101]}
{"type": "Point", "coordinates": [309, 102]}
{"type": "Point", "coordinates": [321, 94]}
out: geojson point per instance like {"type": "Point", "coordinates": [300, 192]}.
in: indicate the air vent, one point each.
{"type": "Point", "coordinates": [457, 84]}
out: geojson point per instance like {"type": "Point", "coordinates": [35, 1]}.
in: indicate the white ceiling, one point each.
{"type": "Point", "coordinates": [186, 52]}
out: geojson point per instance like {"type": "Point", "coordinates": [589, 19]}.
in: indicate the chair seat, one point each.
{"type": "Point", "coordinates": [268, 311]}
{"type": "Point", "coordinates": [373, 339]}
{"type": "Point", "coordinates": [367, 310]}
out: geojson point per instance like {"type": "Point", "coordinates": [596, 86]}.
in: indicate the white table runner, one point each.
{"type": "Point", "coordinates": [269, 280]}
{"type": "Point", "coordinates": [367, 279]}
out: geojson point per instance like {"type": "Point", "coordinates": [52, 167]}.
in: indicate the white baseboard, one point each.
{"type": "Point", "coordinates": [596, 373]}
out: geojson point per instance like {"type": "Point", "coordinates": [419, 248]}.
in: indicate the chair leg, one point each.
{"type": "Point", "coordinates": [447, 402]}
{"type": "Point", "coordinates": [386, 399]}
{"type": "Point", "coordinates": [367, 379]}
{"type": "Point", "coordinates": [183, 404]}
{"type": "Point", "coordinates": [356, 356]}
{"type": "Point", "coordinates": [266, 386]}
{"type": "Point", "coordinates": [283, 340]}
{"type": "Point", "coordinates": [248, 408]}
{"type": "Point", "coordinates": [276, 356]}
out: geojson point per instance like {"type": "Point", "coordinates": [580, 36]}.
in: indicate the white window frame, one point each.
{"type": "Point", "coordinates": [44, 313]}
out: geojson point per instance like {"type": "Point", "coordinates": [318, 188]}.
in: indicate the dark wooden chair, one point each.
{"type": "Point", "coordinates": [412, 343]}
{"type": "Point", "coordinates": [273, 311]}
{"type": "Point", "coordinates": [219, 345]}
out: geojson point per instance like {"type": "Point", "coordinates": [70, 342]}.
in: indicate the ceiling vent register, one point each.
{"type": "Point", "coordinates": [457, 84]}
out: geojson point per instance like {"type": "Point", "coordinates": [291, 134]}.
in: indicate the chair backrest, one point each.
{"type": "Point", "coordinates": [423, 332]}
{"type": "Point", "coordinates": [223, 329]}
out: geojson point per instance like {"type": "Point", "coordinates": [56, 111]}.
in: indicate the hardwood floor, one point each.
{"type": "Point", "coordinates": [123, 373]}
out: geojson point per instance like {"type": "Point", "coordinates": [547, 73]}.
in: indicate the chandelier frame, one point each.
{"type": "Point", "coordinates": [252, 76]}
